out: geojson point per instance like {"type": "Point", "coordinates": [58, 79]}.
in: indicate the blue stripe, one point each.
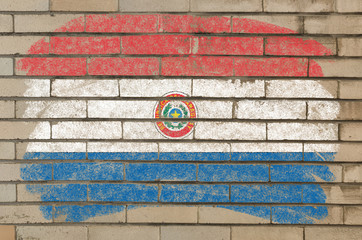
{"type": "Point", "coordinates": [278, 193]}
{"type": "Point", "coordinates": [160, 172]}
{"type": "Point", "coordinates": [267, 156]}
{"type": "Point", "coordinates": [123, 192]}
{"type": "Point", "coordinates": [233, 173]}
{"type": "Point", "coordinates": [55, 155]}
{"type": "Point", "coordinates": [320, 157]}
{"type": "Point", "coordinates": [313, 193]}
{"type": "Point", "coordinates": [258, 211]}
{"type": "Point", "coordinates": [195, 156]}
{"type": "Point", "coordinates": [194, 193]}
{"type": "Point", "coordinates": [76, 213]}
{"type": "Point", "coordinates": [88, 171]}
{"type": "Point", "coordinates": [60, 192]}
{"type": "Point", "coordinates": [298, 214]}
{"type": "Point", "coordinates": [123, 155]}
{"type": "Point", "coordinates": [300, 173]}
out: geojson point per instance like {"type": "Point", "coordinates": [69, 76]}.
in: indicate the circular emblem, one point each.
{"type": "Point", "coordinates": [176, 110]}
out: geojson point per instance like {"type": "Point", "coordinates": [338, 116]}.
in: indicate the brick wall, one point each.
{"type": "Point", "coordinates": [271, 140]}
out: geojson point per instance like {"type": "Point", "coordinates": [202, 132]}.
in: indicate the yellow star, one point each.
{"type": "Point", "coordinates": [175, 114]}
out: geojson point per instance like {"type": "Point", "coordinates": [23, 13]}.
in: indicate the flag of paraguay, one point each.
{"type": "Point", "coordinates": [162, 116]}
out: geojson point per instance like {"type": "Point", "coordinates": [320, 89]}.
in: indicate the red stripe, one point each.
{"type": "Point", "coordinates": [122, 23]}
{"type": "Point", "coordinates": [40, 47]}
{"type": "Point", "coordinates": [295, 46]}
{"type": "Point", "coordinates": [85, 45]}
{"type": "Point", "coordinates": [156, 44]}
{"type": "Point", "coordinates": [245, 25]}
{"type": "Point", "coordinates": [123, 66]}
{"type": "Point", "coordinates": [53, 66]}
{"type": "Point", "coordinates": [271, 67]}
{"type": "Point", "coordinates": [197, 66]}
{"type": "Point", "coordinates": [228, 45]}
{"type": "Point", "coordinates": [194, 24]}
{"type": "Point", "coordinates": [315, 70]}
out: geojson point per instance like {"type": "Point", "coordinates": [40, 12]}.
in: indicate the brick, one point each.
{"type": "Point", "coordinates": [305, 173]}
{"type": "Point", "coordinates": [230, 131]}
{"type": "Point", "coordinates": [121, 109]}
{"type": "Point", "coordinates": [299, 6]}
{"type": "Point", "coordinates": [226, 6]}
{"type": "Point", "coordinates": [335, 194]}
{"type": "Point", "coordinates": [24, 45]}
{"type": "Point", "coordinates": [156, 44]}
{"type": "Point", "coordinates": [87, 130]}
{"type": "Point", "coordinates": [345, 152]}
{"type": "Point", "coordinates": [85, 45]}
{"type": "Point", "coordinates": [161, 214]}
{"type": "Point", "coordinates": [261, 193]}
{"type": "Point", "coordinates": [52, 232]}
{"type": "Point", "coordinates": [197, 66]}
{"type": "Point", "coordinates": [350, 47]}
{"type": "Point", "coordinates": [7, 150]}
{"type": "Point", "coordinates": [24, 214]}
{"type": "Point", "coordinates": [6, 23]}
{"type": "Point", "coordinates": [352, 215]}
{"type": "Point", "coordinates": [7, 232]}
{"type": "Point", "coordinates": [84, 5]}
{"type": "Point", "coordinates": [51, 150]}
{"type": "Point", "coordinates": [286, 24]}
{"type": "Point", "coordinates": [337, 24]}
{"type": "Point", "coordinates": [49, 23]}
{"type": "Point", "coordinates": [195, 232]}
{"type": "Point", "coordinates": [233, 214]}
{"type": "Point", "coordinates": [267, 233]}
{"type": "Point", "coordinates": [121, 23]}
{"type": "Point", "coordinates": [123, 66]}
{"type": "Point", "coordinates": [191, 193]}
{"type": "Point", "coordinates": [302, 131]}
{"type": "Point", "coordinates": [323, 110]}
{"type": "Point", "coordinates": [351, 132]}
{"type": "Point", "coordinates": [51, 109]}
{"type": "Point", "coordinates": [10, 172]}
{"type": "Point", "coordinates": [301, 89]}
{"type": "Point", "coordinates": [194, 24]}
{"type": "Point", "coordinates": [6, 66]}
{"type": "Point", "coordinates": [272, 109]}
{"type": "Point", "coordinates": [228, 88]}
{"type": "Point", "coordinates": [123, 192]}
{"type": "Point", "coordinates": [271, 67]}
{"type": "Point", "coordinates": [350, 89]}
{"type": "Point", "coordinates": [88, 171]}
{"type": "Point", "coordinates": [25, 88]}
{"type": "Point", "coordinates": [153, 87]}
{"type": "Point", "coordinates": [160, 172]}
{"type": "Point", "coordinates": [348, 6]}
{"type": "Point", "coordinates": [227, 45]}
{"type": "Point", "coordinates": [90, 213]}
{"type": "Point", "coordinates": [352, 173]}
{"type": "Point", "coordinates": [214, 109]}
{"type": "Point", "coordinates": [7, 192]}
{"type": "Point", "coordinates": [122, 151]}
{"type": "Point", "coordinates": [52, 192]}
{"type": "Point", "coordinates": [300, 46]}
{"type": "Point", "coordinates": [84, 88]}
{"type": "Point", "coordinates": [324, 233]}
{"type": "Point", "coordinates": [7, 109]}
{"type": "Point", "coordinates": [154, 5]}
{"type": "Point", "coordinates": [51, 66]}
{"type": "Point", "coordinates": [127, 232]}
{"type": "Point", "coordinates": [266, 152]}
{"type": "Point", "coordinates": [142, 130]}
{"type": "Point", "coordinates": [194, 151]}
{"type": "Point", "coordinates": [336, 68]}
{"type": "Point", "coordinates": [25, 130]}
{"type": "Point", "coordinates": [18, 5]}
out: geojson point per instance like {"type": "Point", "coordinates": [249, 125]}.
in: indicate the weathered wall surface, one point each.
{"type": "Point", "coordinates": [265, 140]}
